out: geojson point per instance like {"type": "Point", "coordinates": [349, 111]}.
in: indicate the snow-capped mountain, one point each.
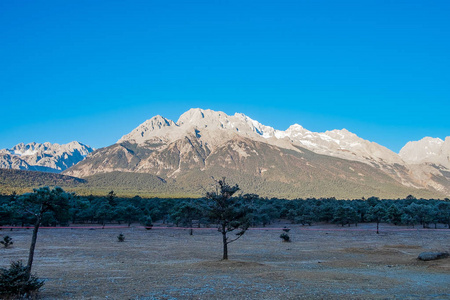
{"type": "Point", "coordinates": [427, 150]}
{"type": "Point", "coordinates": [339, 143]}
{"type": "Point", "coordinates": [213, 124]}
{"type": "Point", "coordinates": [43, 157]}
{"type": "Point", "coordinates": [206, 142]}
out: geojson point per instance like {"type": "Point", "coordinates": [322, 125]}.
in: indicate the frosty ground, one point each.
{"type": "Point", "coordinates": [321, 262]}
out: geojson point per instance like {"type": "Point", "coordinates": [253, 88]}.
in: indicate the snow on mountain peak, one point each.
{"type": "Point", "coordinates": [215, 127]}
{"type": "Point", "coordinates": [341, 134]}
{"type": "Point", "coordinates": [296, 127]}
{"type": "Point", "coordinates": [204, 117]}
{"type": "Point", "coordinates": [157, 122]}
{"type": "Point", "coordinates": [43, 157]}
{"type": "Point", "coordinates": [256, 127]}
{"type": "Point", "coordinates": [148, 129]}
{"type": "Point", "coordinates": [192, 116]}
{"type": "Point", "coordinates": [427, 150]}
{"type": "Point", "coordinates": [83, 149]}
{"type": "Point", "coordinates": [23, 153]}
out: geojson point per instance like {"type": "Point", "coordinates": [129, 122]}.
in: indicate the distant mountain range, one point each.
{"type": "Point", "coordinates": [164, 157]}
{"type": "Point", "coordinates": [291, 163]}
{"type": "Point", "coordinates": [45, 157]}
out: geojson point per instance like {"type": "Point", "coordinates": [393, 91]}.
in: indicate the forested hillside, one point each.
{"type": "Point", "coordinates": [21, 181]}
{"type": "Point", "coordinates": [195, 183]}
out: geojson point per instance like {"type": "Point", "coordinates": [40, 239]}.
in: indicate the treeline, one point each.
{"type": "Point", "coordinates": [111, 209]}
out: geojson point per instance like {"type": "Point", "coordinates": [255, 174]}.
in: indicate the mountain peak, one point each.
{"type": "Point", "coordinates": [200, 116]}
{"type": "Point", "coordinates": [341, 133]}
{"type": "Point", "coordinates": [148, 129]}
{"type": "Point", "coordinates": [216, 127]}
{"type": "Point", "coordinates": [296, 127]}
{"type": "Point", "coordinates": [427, 150]}
{"type": "Point", "coordinates": [204, 140]}
{"type": "Point", "coordinates": [432, 140]}
{"type": "Point", "coordinates": [255, 126]}
{"type": "Point", "coordinates": [43, 157]}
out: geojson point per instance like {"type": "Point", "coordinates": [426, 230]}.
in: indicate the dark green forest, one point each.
{"type": "Point", "coordinates": [188, 212]}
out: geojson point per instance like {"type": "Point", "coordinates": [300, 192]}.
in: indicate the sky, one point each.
{"type": "Point", "coordinates": [92, 71]}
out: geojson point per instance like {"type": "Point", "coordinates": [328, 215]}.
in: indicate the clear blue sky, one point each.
{"type": "Point", "coordinates": [93, 70]}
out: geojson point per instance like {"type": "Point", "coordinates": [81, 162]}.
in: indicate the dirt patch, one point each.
{"type": "Point", "coordinates": [319, 263]}
{"type": "Point", "coordinates": [227, 264]}
{"type": "Point", "coordinates": [402, 246]}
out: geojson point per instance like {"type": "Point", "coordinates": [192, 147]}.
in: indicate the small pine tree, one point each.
{"type": "Point", "coordinates": [377, 214]}
{"type": "Point", "coordinates": [285, 237]}
{"type": "Point", "coordinates": [147, 222]}
{"type": "Point", "coordinates": [7, 241]}
{"type": "Point", "coordinates": [36, 204]}
{"type": "Point", "coordinates": [17, 283]}
{"type": "Point", "coordinates": [121, 238]}
{"type": "Point", "coordinates": [229, 213]}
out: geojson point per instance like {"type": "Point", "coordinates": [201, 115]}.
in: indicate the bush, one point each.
{"type": "Point", "coordinates": [15, 282]}
{"type": "Point", "coordinates": [147, 222]}
{"type": "Point", "coordinates": [7, 241]}
{"type": "Point", "coordinates": [285, 237]}
{"type": "Point", "coordinates": [120, 238]}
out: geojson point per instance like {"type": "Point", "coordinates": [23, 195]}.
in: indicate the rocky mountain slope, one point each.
{"type": "Point", "coordinates": [298, 162]}
{"type": "Point", "coordinates": [428, 150]}
{"type": "Point", "coordinates": [43, 157]}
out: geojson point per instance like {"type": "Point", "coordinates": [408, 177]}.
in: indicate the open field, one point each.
{"type": "Point", "coordinates": [321, 262]}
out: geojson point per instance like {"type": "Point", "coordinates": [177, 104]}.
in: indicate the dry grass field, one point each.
{"type": "Point", "coordinates": [321, 262]}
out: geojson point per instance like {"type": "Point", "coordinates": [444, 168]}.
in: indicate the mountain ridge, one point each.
{"type": "Point", "coordinates": [45, 157]}
{"type": "Point", "coordinates": [209, 142]}
{"type": "Point", "coordinates": [427, 150]}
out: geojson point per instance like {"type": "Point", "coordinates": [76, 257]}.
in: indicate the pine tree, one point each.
{"type": "Point", "coordinates": [229, 213]}
{"type": "Point", "coordinates": [38, 203]}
